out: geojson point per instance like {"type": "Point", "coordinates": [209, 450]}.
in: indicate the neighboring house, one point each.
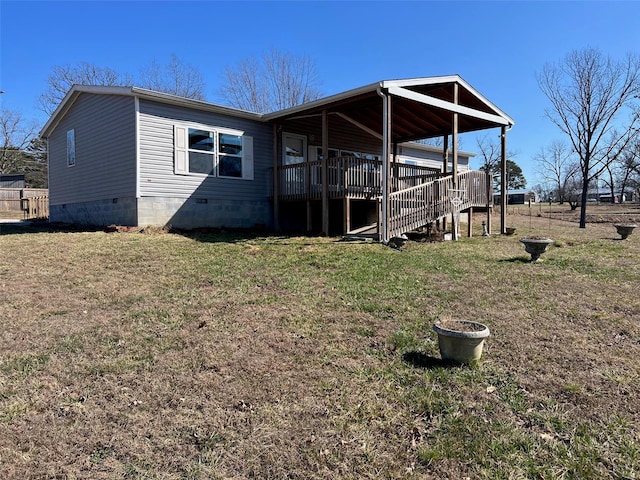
{"type": "Point", "coordinates": [12, 181]}
{"type": "Point", "coordinates": [519, 197]}
{"type": "Point", "coordinates": [603, 195]}
{"type": "Point", "coordinates": [130, 156]}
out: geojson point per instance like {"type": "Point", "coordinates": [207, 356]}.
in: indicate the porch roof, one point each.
{"type": "Point", "coordinates": [420, 108]}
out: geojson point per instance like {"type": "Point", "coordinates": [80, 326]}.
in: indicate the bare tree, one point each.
{"type": "Point", "coordinates": [15, 134]}
{"type": "Point", "coordinates": [491, 156]}
{"type": "Point", "coordinates": [273, 82]}
{"type": "Point", "coordinates": [627, 173]}
{"type": "Point", "coordinates": [64, 77]}
{"type": "Point", "coordinates": [558, 167]}
{"type": "Point", "coordinates": [176, 78]}
{"type": "Point", "coordinates": [588, 92]}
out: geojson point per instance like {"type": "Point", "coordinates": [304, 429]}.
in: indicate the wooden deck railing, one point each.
{"type": "Point", "coordinates": [418, 206]}
{"type": "Point", "coordinates": [32, 202]}
{"type": "Point", "coordinates": [36, 207]}
{"type": "Point", "coordinates": [348, 177]}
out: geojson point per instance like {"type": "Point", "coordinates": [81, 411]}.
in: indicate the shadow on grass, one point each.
{"type": "Point", "coordinates": [516, 260]}
{"type": "Point", "coordinates": [209, 235]}
{"type": "Point", "coordinates": [205, 235]}
{"type": "Point", "coordinates": [38, 226]}
{"type": "Point", "coordinates": [420, 360]}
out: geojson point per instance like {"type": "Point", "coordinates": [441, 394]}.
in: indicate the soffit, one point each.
{"type": "Point", "coordinates": [411, 119]}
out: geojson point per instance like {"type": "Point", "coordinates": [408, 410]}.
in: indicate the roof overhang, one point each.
{"type": "Point", "coordinates": [140, 93]}
{"type": "Point", "coordinates": [420, 108]}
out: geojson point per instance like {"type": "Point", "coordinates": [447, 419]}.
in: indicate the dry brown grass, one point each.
{"type": "Point", "coordinates": [130, 355]}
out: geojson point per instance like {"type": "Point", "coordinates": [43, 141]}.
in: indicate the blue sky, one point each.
{"type": "Point", "coordinates": [495, 46]}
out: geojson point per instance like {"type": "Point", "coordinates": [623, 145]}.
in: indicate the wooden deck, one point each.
{"type": "Point", "coordinates": [419, 195]}
{"type": "Point", "coordinates": [348, 177]}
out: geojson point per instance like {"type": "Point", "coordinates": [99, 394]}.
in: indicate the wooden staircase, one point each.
{"type": "Point", "coordinates": [418, 206]}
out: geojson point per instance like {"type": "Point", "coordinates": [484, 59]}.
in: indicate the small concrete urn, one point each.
{"type": "Point", "coordinates": [460, 341]}
{"type": "Point", "coordinates": [624, 229]}
{"type": "Point", "coordinates": [536, 246]}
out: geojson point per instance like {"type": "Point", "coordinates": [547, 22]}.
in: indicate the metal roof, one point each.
{"type": "Point", "coordinates": [142, 93]}
{"type": "Point", "coordinates": [420, 107]}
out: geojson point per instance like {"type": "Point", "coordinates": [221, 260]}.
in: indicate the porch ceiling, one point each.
{"type": "Point", "coordinates": [411, 118]}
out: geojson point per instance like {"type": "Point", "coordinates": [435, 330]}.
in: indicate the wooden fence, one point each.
{"type": "Point", "coordinates": [32, 202]}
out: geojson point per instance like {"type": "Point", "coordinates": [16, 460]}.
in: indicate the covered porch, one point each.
{"type": "Point", "coordinates": [346, 150]}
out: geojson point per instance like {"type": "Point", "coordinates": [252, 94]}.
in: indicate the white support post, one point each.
{"type": "Point", "coordinates": [503, 182]}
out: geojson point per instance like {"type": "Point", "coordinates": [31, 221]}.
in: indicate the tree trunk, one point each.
{"type": "Point", "coordinates": [583, 203]}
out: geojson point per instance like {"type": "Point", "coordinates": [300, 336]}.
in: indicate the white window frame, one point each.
{"type": "Point", "coordinates": [71, 148]}
{"type": "Point", "coordinates": [304, 152]}
{"type": "Point", "coordinates": [182, 150]}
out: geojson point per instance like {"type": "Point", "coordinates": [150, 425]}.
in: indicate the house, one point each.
{"type": "Point", "coordinates": [603, 195]}
{"type": "Point", "coordinates": [519, 197]}
{"type": "Point", "coordinates": [15, 180]}
{"type": "Point", "coordinates": [130, 156]}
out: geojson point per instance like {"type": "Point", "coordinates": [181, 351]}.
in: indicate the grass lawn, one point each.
{"type": "Point", "coordinates": [131, 355]}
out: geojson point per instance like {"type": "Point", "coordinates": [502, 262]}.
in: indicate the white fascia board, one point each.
{"type": "Point", "coordinates": [70, 98]}
{"type": "Point", "coordinates": [140, 93]}
{"type": "Point", "coordinates": [486, 101]}
{"type": "Point", "coordinates": [412, 82]}
{"type": "Point", "coordinates": [452, 107]}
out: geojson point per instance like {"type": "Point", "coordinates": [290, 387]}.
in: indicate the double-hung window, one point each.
{"type": "Point", "coordinates": [213, 151]}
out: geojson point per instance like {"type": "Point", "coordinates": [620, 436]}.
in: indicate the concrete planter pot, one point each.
{"type": "Point", "coordinates": [624, 229]}
{"type": "Point", "coordinates": [536, 246]}
{"type": "Point", "coordinates": [461, 340]}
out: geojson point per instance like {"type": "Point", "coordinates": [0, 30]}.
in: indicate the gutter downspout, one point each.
{"type": "Point", "coordinates": [384, 227]}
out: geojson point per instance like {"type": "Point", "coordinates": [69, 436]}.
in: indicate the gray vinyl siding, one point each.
{"type": "Point", "coordinates": [157, 177]}
{"type": "Point", "coordinates": [430, 158]}
{"type": "Point", "coordinates": [343, 135]}
{"type": "Point", "coordinates": [105, 140]}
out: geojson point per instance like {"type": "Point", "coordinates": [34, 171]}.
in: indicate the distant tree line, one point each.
{"type": "Point", "coordinates": [595, 103]}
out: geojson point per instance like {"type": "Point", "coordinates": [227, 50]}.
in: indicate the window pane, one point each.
{"type": "Point", "coordinates": [71, 148]}
{"type": "Point", "coordinates": [294, 150]}
{"type": "Point", "coordinates": [230, 166]}
{"type": "Point", "coordinates": [345, 153]}
{"type": "Point", "coordinates": [200, 140]}
{"type": "Point", "coordinates": [230, 144]}
{"type": "Point", "coordinates": [200, 163]}
{"type": "Point", "coordinates": [333, 153]}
